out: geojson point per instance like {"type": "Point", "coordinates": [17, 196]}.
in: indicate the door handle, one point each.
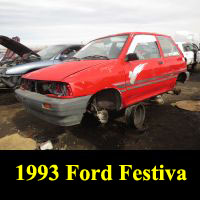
{"type": "Point", "coordinates": [160, 62]}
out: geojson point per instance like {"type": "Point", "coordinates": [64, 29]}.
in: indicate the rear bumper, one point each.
{"type": "Point", "coordinates": [64, 112]}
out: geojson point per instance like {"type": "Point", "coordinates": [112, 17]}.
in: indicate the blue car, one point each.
{"type": "Point", "coordinates": [28, 61]}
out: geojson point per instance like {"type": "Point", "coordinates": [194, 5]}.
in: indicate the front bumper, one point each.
{"type": "Point", "coordinates": [64, 112]}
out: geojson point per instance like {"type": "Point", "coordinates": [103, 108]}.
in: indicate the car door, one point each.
{"type": "Point", "coordinates": [140, 74]}
{"type": "Point", "coordinates": [173, 63]}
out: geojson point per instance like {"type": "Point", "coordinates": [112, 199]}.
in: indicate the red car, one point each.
{"type": "Point", "coordinates": [109, 74]}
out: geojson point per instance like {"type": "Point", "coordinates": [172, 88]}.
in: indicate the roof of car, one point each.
{"type": "Point", "coordinates": [141, 33]}
{"type": "Point", "coordinates": [135, 33]}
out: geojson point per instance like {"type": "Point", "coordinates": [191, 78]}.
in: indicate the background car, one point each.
{"type": "Point", "coordinates": [16, 53]}
{"type": "Point", "coordinates": [191, 53]}
{"type": "Point", "coordinates": [11, 76]}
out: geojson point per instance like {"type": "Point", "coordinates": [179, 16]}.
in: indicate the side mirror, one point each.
{"type": "Point", "coordinates": [131, 57]}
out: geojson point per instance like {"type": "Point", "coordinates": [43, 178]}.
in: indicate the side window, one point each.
{"type": "Point", "coordinates": [145, 46]}
{"type": "Point", "coordinates": [168, 47]}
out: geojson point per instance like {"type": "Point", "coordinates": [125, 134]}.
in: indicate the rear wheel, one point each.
{"type": "Point", "coordinates": [135, 116]}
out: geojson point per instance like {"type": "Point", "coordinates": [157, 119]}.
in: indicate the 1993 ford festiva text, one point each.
{"type": "Point", "coordinates": [108, 75]}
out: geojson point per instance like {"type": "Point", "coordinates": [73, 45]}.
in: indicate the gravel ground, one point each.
{"type": "Point", "coordinates": [167, 126]}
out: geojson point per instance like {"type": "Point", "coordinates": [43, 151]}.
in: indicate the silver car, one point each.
{"type": "Point", "coordinates": [10, 76]}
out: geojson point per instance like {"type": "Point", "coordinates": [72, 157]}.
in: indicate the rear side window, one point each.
{"type": "Point", "coordinates": [145, 46]}
{"type": "Point", "coordinates": [168, 47]}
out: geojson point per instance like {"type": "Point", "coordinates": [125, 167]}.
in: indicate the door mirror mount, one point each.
{"type": "Point", "coordinates": [131, 57]}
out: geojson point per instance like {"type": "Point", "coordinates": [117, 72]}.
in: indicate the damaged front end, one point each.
{"type": "Point", "coordinates": [14, 47]}
{"type": "Point", "coordinates": [8, 81]}
{"type": "Point", "coordinates": [48, 88]}
{"type": "Point", "coordinates": [19, 60]}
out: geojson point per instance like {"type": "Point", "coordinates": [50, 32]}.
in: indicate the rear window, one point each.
{"type": "Point", "coordinates": [168, 47]}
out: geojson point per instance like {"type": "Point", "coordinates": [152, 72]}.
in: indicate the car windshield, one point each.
{"type": "Point", "coordinates": [50, 52]}
{"type": "Point", "coordinates": [105, 48]}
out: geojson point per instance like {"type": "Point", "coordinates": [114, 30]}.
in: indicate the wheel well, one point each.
{"type": "Point", "coordinates": [109, 99]}
{"type": "Point", "coordinates": [182, 77]}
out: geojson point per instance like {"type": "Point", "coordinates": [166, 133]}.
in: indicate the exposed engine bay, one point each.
{"type": "Point", "coordinates": [19, 60]}
{"type": "Point", "coordinates": [16, 52]}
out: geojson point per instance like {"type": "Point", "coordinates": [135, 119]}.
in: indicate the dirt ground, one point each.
{"type": "Point", "coordinates": [167, 126]}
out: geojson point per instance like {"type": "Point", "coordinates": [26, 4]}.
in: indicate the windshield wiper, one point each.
{"type": "Point", "coordinates": [96, 57]}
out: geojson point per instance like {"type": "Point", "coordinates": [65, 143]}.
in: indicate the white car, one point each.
{"type": "Point", "coordinates": [191, 53]}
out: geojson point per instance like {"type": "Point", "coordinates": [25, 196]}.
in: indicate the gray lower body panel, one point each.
{"type": "Point", "coordinates": [63, 112]}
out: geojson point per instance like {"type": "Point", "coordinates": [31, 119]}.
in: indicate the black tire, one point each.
{"type": "Point", "coordinates": [89, 121]}
{"type": "Point", "coordinates": [135, 116]}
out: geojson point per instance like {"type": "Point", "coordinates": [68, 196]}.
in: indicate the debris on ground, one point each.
{"type": "Point", "coordinates": [190, 105]}
{"type": "Point", "coordinates": [69, 141]}
{"type": "Point", "coordinates": [17, 142]}
{"type": "Point", "coordinates": [46, 145]}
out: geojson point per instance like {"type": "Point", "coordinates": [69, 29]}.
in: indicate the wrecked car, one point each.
{"type": "Point", "coordinates": [108, 75]}
{"type": "Point", "coordinates": [191, 53]}
{"type": "Point", "coordinates": [15, 47]}
{"type": "Point", "coordinates": [10, 77]}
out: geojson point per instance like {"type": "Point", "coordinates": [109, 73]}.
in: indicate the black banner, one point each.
{"type": "Point", "coordinates": [95, 167]}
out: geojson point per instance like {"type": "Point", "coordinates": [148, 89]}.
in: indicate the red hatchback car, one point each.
{"type": "Point", "coordinates": [109, 74]}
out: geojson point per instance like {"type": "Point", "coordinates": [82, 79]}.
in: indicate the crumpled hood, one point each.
{"type": "Point", "coordinates": [60, 71]}
{"type": "Point", "coordinates": [24, 68]}
{"type": "Point", "coordinates": [15, 46]}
